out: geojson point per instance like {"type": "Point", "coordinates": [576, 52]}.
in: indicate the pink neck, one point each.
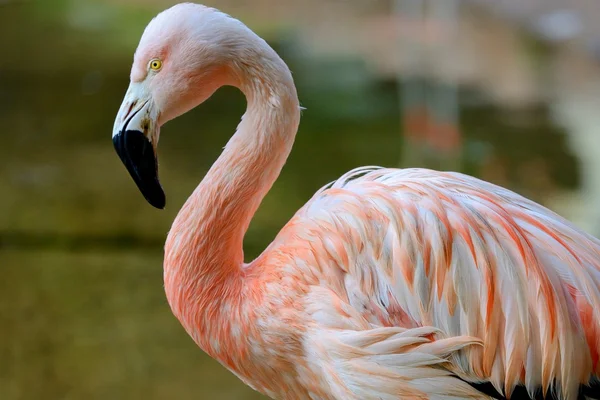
{"type": "Point", "coordinates": [204, 258]}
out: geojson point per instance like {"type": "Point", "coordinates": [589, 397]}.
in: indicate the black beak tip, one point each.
{"type": "Point", "coordinates": [137, 154]}
{"type": "Point", "coordinates": [158, 200]}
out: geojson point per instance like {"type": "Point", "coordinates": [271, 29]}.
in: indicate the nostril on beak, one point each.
{"type": "Point", "coordinates": [131, 105]}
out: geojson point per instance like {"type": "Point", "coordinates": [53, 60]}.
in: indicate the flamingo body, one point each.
{"type": "Point", "coordinates": [480, 268]}
{"type": "Point", "coordinates": [387, 284]}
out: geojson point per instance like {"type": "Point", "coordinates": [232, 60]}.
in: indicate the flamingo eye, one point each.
{"type": "Point", "coordinates": [155, 64]}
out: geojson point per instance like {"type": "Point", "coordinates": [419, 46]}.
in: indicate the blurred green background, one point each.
{"type": "Point", "coordinates": [498, 94]}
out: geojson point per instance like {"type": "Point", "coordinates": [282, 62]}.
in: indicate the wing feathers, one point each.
{"type": "Point", "coordinates": [390, 363]}
{"type": "Point", "coordinates": [471, 259]}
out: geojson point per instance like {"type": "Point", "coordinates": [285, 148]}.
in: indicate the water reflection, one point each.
{"type": "Point", "coordinates": [95, 324]}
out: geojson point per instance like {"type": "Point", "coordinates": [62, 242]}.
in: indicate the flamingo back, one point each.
{"type": "Point", "coordinates": [446, 274]}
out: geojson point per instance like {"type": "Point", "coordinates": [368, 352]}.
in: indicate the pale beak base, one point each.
{"type": "Point", "coordinates": [135, 135]}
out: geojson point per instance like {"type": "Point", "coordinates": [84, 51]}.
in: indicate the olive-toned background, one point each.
{"type": "Point", "coordinates": [82, 309]}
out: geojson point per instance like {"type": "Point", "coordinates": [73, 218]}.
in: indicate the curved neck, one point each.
{"type": "Point", "coordinates": [203, 254]}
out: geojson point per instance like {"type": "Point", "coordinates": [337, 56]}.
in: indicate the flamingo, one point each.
{"type": "Point", "coordinates": [389, 283]}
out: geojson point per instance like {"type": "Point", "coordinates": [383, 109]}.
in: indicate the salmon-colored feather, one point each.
{"type": "Point", "coordinates": [388, 283]}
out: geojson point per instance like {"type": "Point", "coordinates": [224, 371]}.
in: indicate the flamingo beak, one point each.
{"type": "Point", "coordinates": [135, 137]}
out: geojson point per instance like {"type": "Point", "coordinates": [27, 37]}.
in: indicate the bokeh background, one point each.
{"type": "Point", "coordinates": [507, 90]}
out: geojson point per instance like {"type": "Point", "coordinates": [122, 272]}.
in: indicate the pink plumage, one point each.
{"type": "Point", "coordinates": [387, 284]}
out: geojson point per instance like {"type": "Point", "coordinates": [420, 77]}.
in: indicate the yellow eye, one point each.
{"type": "Point", "coordinates": [156, 64]}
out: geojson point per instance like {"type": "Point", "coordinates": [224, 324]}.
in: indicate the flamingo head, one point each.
{"type": "Point", "coordinates": [186, 53]}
